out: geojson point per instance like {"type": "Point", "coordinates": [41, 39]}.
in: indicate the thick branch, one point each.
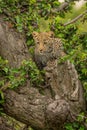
{"type": "Point", "coordinates": [37, 110]}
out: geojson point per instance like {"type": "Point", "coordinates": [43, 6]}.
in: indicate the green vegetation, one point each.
{"type": "Point", "coordinates": [17, 76]}
{"type": "Point", "coordinates": [78, 125]}
{"type": "Point", "coordinates": [74, 126]}
{"type": "Point", "coordinates": [13, 78]}
{"type": "Point", "coordinates": [75, 45]}
{"type": "Point", "coordinates": [28, 16]}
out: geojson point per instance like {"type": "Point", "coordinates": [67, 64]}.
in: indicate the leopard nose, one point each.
{"type": "Point", "coordinates": [41, 50]}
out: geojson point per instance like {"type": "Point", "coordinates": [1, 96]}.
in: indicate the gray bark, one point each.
{"type": "Point", "coordinates": [9, 123]}
{"type": "Point", "coordinates": [12, 45]}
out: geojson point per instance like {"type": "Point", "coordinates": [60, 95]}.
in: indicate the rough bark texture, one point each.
{"type": "Point", "coordinates": [27, 104]}
{"type": "Point", "coordinates": [12, 45]}
{"type": "Point", "coordinates": [9, 123]}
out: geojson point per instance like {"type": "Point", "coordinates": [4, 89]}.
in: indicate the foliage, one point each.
{"type": "Point", "coordinates": [34, 74]}
{"type": "Point", "coordinates": [74, 126]}
{"type": "Point", "coordinates": [78, 125]}
{"type": "Point", "coordinates": [18, 76]}
{"type": "Point", "coordinates": [14, 77]}
{"type": "Point", "coordinates": [25, 15]}
{"type": "Point", "coordinates": [75, 46]}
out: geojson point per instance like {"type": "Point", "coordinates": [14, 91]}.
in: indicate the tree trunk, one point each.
{"type": "Point", "coordinates": [12, 45]}
{"type": "Point", "coordinates": [26, 104]}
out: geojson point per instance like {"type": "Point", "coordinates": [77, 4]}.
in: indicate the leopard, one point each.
{"type": "Point", "coordinates": [48, 50]}
{"type": "Point", "coordinates": [47, 47]}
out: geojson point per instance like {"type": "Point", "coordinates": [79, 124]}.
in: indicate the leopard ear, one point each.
{"type": "Point", "coordinates": [51, 34]}
{"type": "Point", "coordinates": [34, 34]}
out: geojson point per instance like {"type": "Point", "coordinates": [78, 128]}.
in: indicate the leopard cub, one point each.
{"type": "Point", "coordinates": [46, 47]}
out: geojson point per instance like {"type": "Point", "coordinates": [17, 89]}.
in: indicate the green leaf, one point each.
{"type": "Point", "coordinates": [81, 128]}
{"type": "Point", "coordinates": [68, 126]}
{"type": "Point", "coordinates": [1, 97]}
{"type": "Point", "coordinates": [81, 117]}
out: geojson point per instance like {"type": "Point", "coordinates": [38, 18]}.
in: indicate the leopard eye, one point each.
{"type": "Point", "coordinates": [37, 42]}
{"type": "Point", "coordinates": [45, 42]}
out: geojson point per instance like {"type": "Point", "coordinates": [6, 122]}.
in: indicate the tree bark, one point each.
{"type": "Point", "coordinates": [9, 123]}
{"type": "Point", "coordinates": [12, 45]}
{"type": "Point", "coordinates": [26, 104]}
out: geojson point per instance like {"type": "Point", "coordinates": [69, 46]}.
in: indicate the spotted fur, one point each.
{"type": "Point", "coordinates": [46, 47]}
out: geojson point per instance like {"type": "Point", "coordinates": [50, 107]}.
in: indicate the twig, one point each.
{"type": "Point", "coordinates": [8, 15]}
{"type": "Point", "coordinates": [5, 86]}
{"type": "Point", "coordinates": [62, 7]}
{"type": "Point", "coordinates": [75, 19]}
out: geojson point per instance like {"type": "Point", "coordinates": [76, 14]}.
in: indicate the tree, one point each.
{"type": "Point", "coordinates": [34, 105]}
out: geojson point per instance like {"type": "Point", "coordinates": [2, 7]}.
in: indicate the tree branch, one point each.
{"type": "Point", "coordinates": [62, 7]}
{"type": "Point", "coordinates": [9, 15]}
{"type": "Point", "coordinates": [75, 19]}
